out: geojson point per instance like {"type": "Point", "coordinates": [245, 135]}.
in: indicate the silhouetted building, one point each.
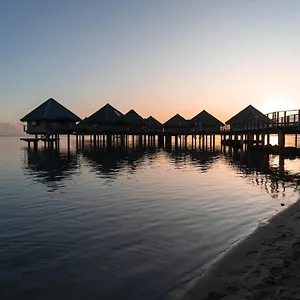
{"type": "Point", "coordinates": [177, 124]}
{"type": "Point", "coordinates": [133, 122]}
{"type": "Point", "coordinates": [49, 118]}
{"type": "Point", "coordinates": [246, 117]}
{"type": "Point", "coordinates": [105, 120]}
{"type": "Point", "coordinates": [153, 125]}
{"type": "Point", "coordinates": [205, 122]}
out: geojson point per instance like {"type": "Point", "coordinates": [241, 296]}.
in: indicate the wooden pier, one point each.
{"type": "Point", "coordinates": [50, 141]}
{"type": "Point", "coordinates": [256, 131]}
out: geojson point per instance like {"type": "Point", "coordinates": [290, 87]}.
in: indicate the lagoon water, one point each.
{"type": "Point", "coordinates": [134, 224]}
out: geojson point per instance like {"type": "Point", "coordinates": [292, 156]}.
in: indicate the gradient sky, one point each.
{"type": "Point", "coordinates": [159, 57]}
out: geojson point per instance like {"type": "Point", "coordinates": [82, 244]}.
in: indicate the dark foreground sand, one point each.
{"type": "Point", "coordinates": [265, 265]}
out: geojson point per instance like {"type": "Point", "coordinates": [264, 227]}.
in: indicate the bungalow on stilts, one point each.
{"type": "Point", "coordinates": [47, 122]}
{"type": "Point", "coordinates": [242, 128]}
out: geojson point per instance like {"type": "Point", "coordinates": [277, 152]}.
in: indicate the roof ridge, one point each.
{"type": "Point", "coordinates": [48, 106]}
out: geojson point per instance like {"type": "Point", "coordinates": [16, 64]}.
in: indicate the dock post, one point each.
{"type": "Point", "coordinates": [108, 140]}
{"type": "Point", "coordinates": [35, 143]}
{"type": "Point", "coordinates": [262, 139]}
{"type": "Point", "coordinates": [257, 138]}
{"type": "Point", "coordinates": [68, 138]}
{"type": "Point", "coordinates": [94, 140]}
{"type": "Point", "coordinates": [55, 141]}
{"type": "Point", "coordinates": [242, 140]}
{"type": "Point", "coordinates": [281, 138]}
{"type": "Point", "coordinates": [76, 141]}
{"type": "Point", "coordinates": [296, 140]}
{"type": "Point", "coordinates": [82, 141]}
{"type": "Point", "coordinates": [104, 140]}
{"type": "Point", "coordinates": [281, 165]}
{"type": "Point", "coordinates": [122, 140]}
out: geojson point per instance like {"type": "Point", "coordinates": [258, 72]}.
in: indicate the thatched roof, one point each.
{"type": "Point", "coordinates": [207, 119]}
{"type": "Point", "coordinates": [50, 110]}
{"type": "Point", "coordinates": [106, 114]}
{"type": "Point", "coordinates": [133, 118]}
{"type": "Point", "coordinates": [153, 123]}
{"type": "Point", "coordinates": [175, 122]}
{"type": "Point", "coordinates": [247, 113]}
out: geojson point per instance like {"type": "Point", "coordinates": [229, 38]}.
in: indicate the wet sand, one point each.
{"type": "Point", "coordinates": [265, 265]}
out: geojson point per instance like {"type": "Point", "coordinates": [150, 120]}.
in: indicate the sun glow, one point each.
{"type": "Point", "coordinates": [276, 103]}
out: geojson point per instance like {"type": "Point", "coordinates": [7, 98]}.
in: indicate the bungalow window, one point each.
{"type": "Point", "coordinates": [35, 123]}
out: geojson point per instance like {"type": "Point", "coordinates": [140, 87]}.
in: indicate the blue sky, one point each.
{"type": "Point", "coordinates": [159, 57]}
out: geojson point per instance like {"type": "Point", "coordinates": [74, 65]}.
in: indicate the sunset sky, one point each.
{"type": "Point", "coordinates": [159, 57]}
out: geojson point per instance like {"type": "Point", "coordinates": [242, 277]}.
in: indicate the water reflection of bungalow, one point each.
{"type": "Point", "coordinates": [249, 162]}
{"type": "Point", "coordinates": [50, 118]}
{"type": "Point", "coordinates": [200, 159]}
{"type": "Point", "coordinates": [204, 160]}
{"type": "Point", "coordinates": [153, 125]}
{"type": "Point", "coordinates": [108, 163]}
{"type": "Point", "coordinates": [245, 118]}
{"type": "Point", "coordinates": [105, 120]}
{"type": "Point", "coordinates": [253, 165]}
{"type": "Point", "coordinates": [176, 125]}
{"type": "Point", "coordinates": [205, 122]}
{"type": "Point", "coordinates": [50, 167]}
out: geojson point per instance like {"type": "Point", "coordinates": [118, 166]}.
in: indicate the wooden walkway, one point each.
{"type": "Point", "coordinates": [47, 139]}
{"type": "Point", "coordinates": [288, 120]}
{"type": "Point", "coordinates": [254, 131]}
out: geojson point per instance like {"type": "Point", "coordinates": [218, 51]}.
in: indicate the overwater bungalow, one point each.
{"type": "Point", "coordinates": [105, 120]}
{"type": "Point", "coordinates": [245, 118]}
{"type": "Point", "coordinates": [176, 125]}
{"type": "Point", "coordinates": [133, 122]}
{"type": "Point", "coordinates": [50, 118]}
{"type": "Point", "coordinates": [153, 125]}
{"type": "Point", "coordinates": [205, 122]}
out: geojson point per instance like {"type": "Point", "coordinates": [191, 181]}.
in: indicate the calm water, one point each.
{"type": "Point", "coordinates": [136, 224]}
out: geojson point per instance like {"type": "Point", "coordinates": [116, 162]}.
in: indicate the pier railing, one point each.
{"type": "Point", "coordinates": [278, 119]}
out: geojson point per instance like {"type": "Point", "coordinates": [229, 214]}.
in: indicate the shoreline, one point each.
{"type": "Point", "coordinates": [263, 265]}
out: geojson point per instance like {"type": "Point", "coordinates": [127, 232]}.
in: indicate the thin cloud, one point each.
{"type": "Point", "coordinates": [8, 129]}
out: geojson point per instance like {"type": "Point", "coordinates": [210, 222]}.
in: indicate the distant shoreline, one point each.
{"type": "Point", "coordinates": [264, 264]}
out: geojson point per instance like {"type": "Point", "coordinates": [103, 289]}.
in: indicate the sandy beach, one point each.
{"type": "Point", "coordinates": [265, 265]}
